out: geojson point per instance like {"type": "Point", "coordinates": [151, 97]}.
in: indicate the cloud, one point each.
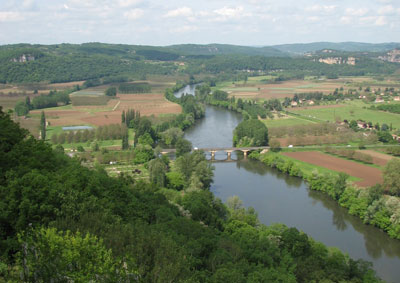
{"type": "Point", "coordinates": [388, 9]}
{"type": "Point", "coordinates": [10, 16]}
{"type": "Point", "coordinates": [227, 13]}
{"type": "Point", "coordinates": [180, 12]}
{"type": "Point", "coordinates": [128, 3]}
{"type": "Point", "coordinates": [321, 8]}
{"type": "Point", "coordinates": [230, 12]}
{"type": "Point", "coordinates": [134, 14]}
{"type": "Point", "coordinates": [381, 21]}
{"type": "Point", "coordinates": [356, 12]}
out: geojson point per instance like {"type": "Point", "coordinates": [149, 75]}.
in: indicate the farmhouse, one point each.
{"type": "Point", "coordinates": [293, 103]}
{"type": "Point", "coordinates": [362, 124]}
{"type": "Point", "coordinates": [310, 102]}
{"type": "Point", "coordinates": [396, 98]}
{"type": "Point", "coordinates": [396, 137]}
{"type": "Point", "coordinates": [379, 100]}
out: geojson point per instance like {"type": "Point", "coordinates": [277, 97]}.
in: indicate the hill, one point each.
{"type": "Point", "coordinates": [223, 49]}
{"type": "Point", "coordinates": [301, 48]}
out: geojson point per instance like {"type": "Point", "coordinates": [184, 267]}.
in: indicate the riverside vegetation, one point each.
{"type": "Point", "coordinates": [116, 229]}
{"type": "Point", "coordinates": [378, 205]}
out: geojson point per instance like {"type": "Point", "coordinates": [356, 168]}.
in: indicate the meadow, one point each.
{"type": "Point", "coordinates": [350, 110]}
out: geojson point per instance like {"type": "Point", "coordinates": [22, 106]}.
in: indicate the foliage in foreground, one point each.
{"type": "Point", "coordinates": [63, 222]}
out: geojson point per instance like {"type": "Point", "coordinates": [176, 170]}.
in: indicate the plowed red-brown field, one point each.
{"type": "Point", "coordinates": [369, 175]}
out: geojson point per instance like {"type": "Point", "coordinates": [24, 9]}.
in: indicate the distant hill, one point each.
{"type": "Point", "coordinates": [301, 48]}
{"type": "Point", "coordinates": [224, 49]}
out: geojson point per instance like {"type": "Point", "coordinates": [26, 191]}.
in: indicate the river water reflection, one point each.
{"type": "Point", "coordinates": [279, 198]}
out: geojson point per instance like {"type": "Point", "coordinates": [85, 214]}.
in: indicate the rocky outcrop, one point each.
{"type": "Point", "coordinates": [24, 58]}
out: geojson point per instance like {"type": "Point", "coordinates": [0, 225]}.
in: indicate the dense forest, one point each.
{"type": "Point", "coordinates": [22, 63]}
{"type": "Point", "coordinates": [62, 221]}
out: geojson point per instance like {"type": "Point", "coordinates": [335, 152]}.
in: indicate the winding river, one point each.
{"type": "Point", "coordinates": [280, 198]}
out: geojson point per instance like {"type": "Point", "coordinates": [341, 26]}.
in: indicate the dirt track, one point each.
{"type": "Point", "coordinates": [369, 175]}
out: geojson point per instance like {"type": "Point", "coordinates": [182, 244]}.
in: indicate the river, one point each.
{"type": "Point", "coordinates": [280, 198]}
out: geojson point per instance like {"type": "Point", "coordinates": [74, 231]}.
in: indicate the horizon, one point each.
{"type": "Point", "coordinates": [240, 22]}
{"type": "Point", "coordinates": [211, 43]}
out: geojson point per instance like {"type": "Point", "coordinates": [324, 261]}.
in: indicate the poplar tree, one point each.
{"type": "Point", "coordinates": [43, 126]}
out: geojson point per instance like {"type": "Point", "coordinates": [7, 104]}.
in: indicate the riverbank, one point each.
{"type": "Point", "coordinates": [369, 204]}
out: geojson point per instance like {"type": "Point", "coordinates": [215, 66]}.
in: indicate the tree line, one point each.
{"type": "Point", "coordinates": [53, 99]}
{"type": "Point", "coordinates": [107, 132]}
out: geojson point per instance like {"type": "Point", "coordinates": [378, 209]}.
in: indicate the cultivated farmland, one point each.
{"type": "Point", "coordinates": [369, 175]}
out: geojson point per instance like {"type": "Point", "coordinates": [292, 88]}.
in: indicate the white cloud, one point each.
{"type": "Point", "coordinates": [134, 14]}
{"type": "Point", "coordinates": [180, 12]}
{"type": "Point", "coordinates": [388, 9]}
{"type": "Point", "coordinates": [127, 3]}
{"type": "Point", "coordinates": [10, 16]}
{"type": "Point", "coordinates": [230, 12]}
{"type": "Point", "coordinates": [381, 21]}
{"type": "Point", "coordinates": [322, 8]}
{"type": "Point", "coordinates": [356, 12]}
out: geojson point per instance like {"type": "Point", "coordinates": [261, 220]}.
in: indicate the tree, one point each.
{"type": "Point", "coordinates": [51, 256]}
{"type": "Point", "coordinates": [275, 145]}
{"type": "Point", "coordinates": [175, 180]}
{"type": "Point", "coordinates": [111, 91]}
{"type": "Point", "coordinates": [43, 126]}
{"type": "Point", "coordinates": [391, 176]}
{"type": "Point", "coordinates": [157, 171]}
{"type": "Point", "coordinates": [250, 133]}
{"type": "Point", "coordinates": [171, 136]}
{"type": "Point", "coordinates": [183, 146]}
{"type": "Point", "coordinates": [21, 108]}
{"type": "Point", "coordinates": [123, 117]}
{"type": "Point", "coordinates": [353, 125]}
{"type": "Point", "coordinates": [54, 139]}
{"type": "Point", "coordinates": [125, 141]}
{"type": "Point", "coordinates": [28, 103]}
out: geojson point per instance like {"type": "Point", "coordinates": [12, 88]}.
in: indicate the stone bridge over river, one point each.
{"type": "Point", "coordinates": [228, 150]}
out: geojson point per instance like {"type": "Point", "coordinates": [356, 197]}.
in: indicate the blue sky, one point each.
{"type": "Point", "coordinates": [246, 22]}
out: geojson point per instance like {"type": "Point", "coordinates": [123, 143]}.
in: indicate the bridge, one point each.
{"type": "Point", "coordinates": [227, 150]}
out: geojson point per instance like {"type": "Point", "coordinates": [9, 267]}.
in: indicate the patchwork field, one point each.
{"type": "Point", "coordinates": [257, 89]}
{"type": "Point", "coordinates": [352, 110]}
{"type": "Point", "coordinates": [147, 104]}
{"type": "Point", "coordinates": [260, 87]}
{"type": "Point", "coordinates": [369, 175]}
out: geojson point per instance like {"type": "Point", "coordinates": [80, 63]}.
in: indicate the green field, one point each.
{"type": "Point", "coordinates": [281, 122]}
{"type": "Point", "coordinates": [87, 93]}
{"type": "Point", "coordinates": [354, 110]}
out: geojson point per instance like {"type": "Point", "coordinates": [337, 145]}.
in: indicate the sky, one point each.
{"type": "Point", "coordinates": [167, 22]}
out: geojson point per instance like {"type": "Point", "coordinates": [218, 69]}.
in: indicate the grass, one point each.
{"type": "Point", "coordinates": [280, 122]}
{"type": "Point", "coordinates": [245, 89]}
{"type": "Point", "coordinates": [87, 93]}
{"type": "Point", "coordinates": [353, 110]}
